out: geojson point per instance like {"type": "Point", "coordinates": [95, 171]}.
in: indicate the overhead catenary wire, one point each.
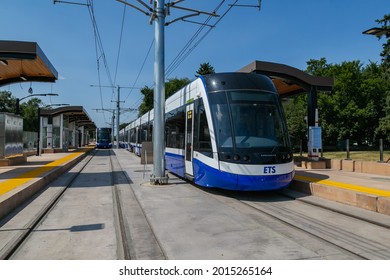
{"type": "Point", "coordinates": [99, 41]}
{"type": "Point", "coordinates": [98, 66]}
{"type": "Point", "coordinates": [185, 55]}
{"type": "Point", "coordinates": [100, 54]}
{"type": "Point", "coordinates": [195, 40]}
{"type": "Point", "coordinates": [120, 43]}
{"type": "Point", "coordinates": [190, 45]}
{"type": "Point", "coordinates": [142, 67]}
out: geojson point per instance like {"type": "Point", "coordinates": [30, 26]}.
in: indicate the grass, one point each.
{"type": "Point", "coordinates": [355, 155]}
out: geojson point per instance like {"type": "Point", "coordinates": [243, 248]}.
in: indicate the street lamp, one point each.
{"type": "Point", "coordinates": [59, 104]}
{"type": "Point", "coordinates": [31, 95]}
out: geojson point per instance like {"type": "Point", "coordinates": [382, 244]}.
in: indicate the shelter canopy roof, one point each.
{"type": "Point", "coordinates": [24, 62]}
{"type": "Point", "coordinates": [76, 114]}
{"type": "Point", "coordinates": [288, 80]}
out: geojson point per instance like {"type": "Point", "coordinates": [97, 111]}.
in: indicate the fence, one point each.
{"type": "Point", "coordinates": [349, 149]}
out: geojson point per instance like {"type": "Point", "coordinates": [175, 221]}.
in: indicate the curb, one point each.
{"type": "Point", "coordinates": [366, 201]}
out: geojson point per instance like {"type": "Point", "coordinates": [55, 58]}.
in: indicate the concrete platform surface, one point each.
{"type": "Point", "coordinates": [19, 182]}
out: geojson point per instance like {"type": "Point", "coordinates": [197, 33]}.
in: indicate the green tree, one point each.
{"type": "Point", "coordinates": [385, 22]}
{"type": "Point", "coordinates": [295, 111]}
{"type": "Point", "coordinates": [353, 109]}
{"type": "Point", "coordinates": [29, 111]}
{"type": "Point", "coordinates": [383, 130]}
{"type": "Point", "coordinates": [7, 102]}
{"type": "Point", "coordinates": [204, 69]}
{"type": "Point", "coordinates": [147, 102]}
{"type": "Point", "coordinates": [123, 125]}
{"type": "Point", "coordinates": [172, 86]}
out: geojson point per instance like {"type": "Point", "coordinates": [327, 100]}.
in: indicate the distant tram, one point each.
{"type": "Point", "coordinates": [103, 138]}
{"type": "Point", "coordinates": [224, 130]}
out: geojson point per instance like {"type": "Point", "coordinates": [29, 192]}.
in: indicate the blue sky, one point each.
{"type": "Point", "coordinates": [283, 31]}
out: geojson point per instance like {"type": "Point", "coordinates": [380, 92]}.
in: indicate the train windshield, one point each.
{"type": "Point", "coordinates": [246, 120]}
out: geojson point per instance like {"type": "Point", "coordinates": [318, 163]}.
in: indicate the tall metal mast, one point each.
{"type": "Point", "coordinates": [159, 176]}
{"type": "Point", "coordinates": [157, 10]}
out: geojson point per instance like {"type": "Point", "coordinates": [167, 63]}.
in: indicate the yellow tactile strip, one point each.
{"type": "Point", "coordinates": [357, 188]}
{"type": "Point", "coordinates": [13, 183]}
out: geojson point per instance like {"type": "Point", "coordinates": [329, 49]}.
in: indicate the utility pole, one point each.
{"type": "Point", "coordinates": [157, 10]}
{"type": "Point", "coordinates": [117, 117]}
{"type": "Point", "coordinates": [159, 176]}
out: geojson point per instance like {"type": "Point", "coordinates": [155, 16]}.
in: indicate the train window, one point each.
{"type": "Point", "coordinates": [132, 135]}
{"type": "Point", "coordinates": [202, 140]}
{"type": "Point", "coordinates": [150, 132]}
{"type": "Point", "coordinates": [221, 118]}
{"type": "Point", "coordinates": [247, 120]}
{"type": "Point", "coordinates": [174, 128]}
{"type": "Point", "coordinates": [257, 121]}
{"type": "Point", "coordinates": [139, 135]}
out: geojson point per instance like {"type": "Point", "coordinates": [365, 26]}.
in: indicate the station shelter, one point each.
{"type": "Point", "coordinates": [59, 129]}
{"type": "Point", "coordinates": [65, 128]}
{"type": "Point", "coordinates": [19, 62]}
{"type": "Point", "coordinates": [290, 81]}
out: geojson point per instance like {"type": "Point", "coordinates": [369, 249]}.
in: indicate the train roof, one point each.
{"type": "Point", "coordinates": [235, 80]}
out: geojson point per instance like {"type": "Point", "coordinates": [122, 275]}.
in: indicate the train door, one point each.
{"type": "Point", "coordinates": [189, 139]}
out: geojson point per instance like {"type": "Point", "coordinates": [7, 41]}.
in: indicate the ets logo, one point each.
{"type": "Point", "coordinates": [269, 169]}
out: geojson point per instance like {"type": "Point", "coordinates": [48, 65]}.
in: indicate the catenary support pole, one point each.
{"type": "Point", "coordinates": [159, 176]}
{"type": "Point", "coordinates": [112, 128]}
{"type": "Point", "coordinates": [117, 117]}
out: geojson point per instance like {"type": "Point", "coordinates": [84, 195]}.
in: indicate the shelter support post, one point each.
{"type": "Point", "coordinates": [311, 107]}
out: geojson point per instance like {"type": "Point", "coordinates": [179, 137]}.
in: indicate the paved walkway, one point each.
{"type": "Point", "coordinates": [20, 182]}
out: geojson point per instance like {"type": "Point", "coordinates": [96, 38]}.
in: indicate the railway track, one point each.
{"type": "Point", "coordinates": [353, 236]}
{"type": "Point", "coordinates": [60, 189]}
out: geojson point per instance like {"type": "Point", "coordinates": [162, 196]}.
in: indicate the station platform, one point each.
{"type": "Point", "coordinates": [367, 191]}
{"type": "Point", "coordinates": [363, 190]}
{"type": "Point", "coordinates": [20, 182]}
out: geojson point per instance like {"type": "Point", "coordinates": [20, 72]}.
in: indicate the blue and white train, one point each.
{"type": "Point", "coordinates": [224, 130]}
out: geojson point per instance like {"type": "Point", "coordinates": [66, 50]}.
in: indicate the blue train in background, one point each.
{"type": "Point", "coordinates": [103, 138]}
{"type": "Point", "coordinates": [224, 130]}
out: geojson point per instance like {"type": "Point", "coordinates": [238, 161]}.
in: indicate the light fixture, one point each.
{"type": "Point", "coordinates": [3, 62]}
{"type": "Point", "coordinates": [377, 31]}
{"type": "Point", "coordinates": [60, 104]}
{"type": "Point", "coordinates": [24, 78]}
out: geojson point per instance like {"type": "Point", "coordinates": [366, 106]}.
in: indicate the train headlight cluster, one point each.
{"type": "Point", "coordinates": [285, 157]}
